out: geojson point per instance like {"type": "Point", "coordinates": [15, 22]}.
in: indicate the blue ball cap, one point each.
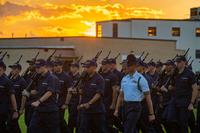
{"type": "Point", "coordinates": [105, 61]}
{"type": "Point", "coordinates": [75, 64]}
{"type": "Point", "coordinates": [40, 63]}
{"type": "Point", "coordinates": [152, 64]}
{"type": "Point", "coordinates": [15, 66]}
{"type": "Point", "coordinates": [89, 63]}
{"type": "Point", "coordinates": [58, 63]}
{"type": "Point", "coordinates": [169, 62]}
{"type": "Point", "coordinates": [180, 58]}
{"type": "Point", "coordinates": [159, 64]}
{"type": "Point", "coordinates": [50, 63]}
{"type": "Point", "coordinates": [112, 61]}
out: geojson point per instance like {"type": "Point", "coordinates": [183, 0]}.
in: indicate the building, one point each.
{"type": "Point", "coordinates": [69, 48]}
{"type": "Point", "coordinates": [162, 38]}
{"type": "Point", "coordinates": [185, 32]}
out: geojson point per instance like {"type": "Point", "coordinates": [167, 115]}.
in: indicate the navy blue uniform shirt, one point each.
{"type": "Point", "coordinates": [65, 82]}
{"type": "Point", "coordinates": [19, 84]}
{"type": "Point", "coordinates": [119, 75]}
{"type": "Point", "coordinates": [166, 95]}
{"type": "Point", "coordinates": [110, 81]}
{"type": "Point", "coordinates": [47, 83]}
{"type": "Point", "coordinates": [6, 89]}
{"type": "Point", "coordinates": [75, 78]}
{"type": "Point", "coordinates": [151, 78]}
{"type": "Point", "coordinates": [183, 87]}
{"type": "Point", "coordinates": [28, 79]}
{"type": "Point", "coordinates": [90, 88]}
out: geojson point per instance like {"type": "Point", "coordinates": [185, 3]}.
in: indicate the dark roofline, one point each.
{"type": "Point", "coordinates": [150, 19]}
{"type": "Point", "coordinates": [91, 37]}
{"type": "Point", "coordinates": [45, 37]}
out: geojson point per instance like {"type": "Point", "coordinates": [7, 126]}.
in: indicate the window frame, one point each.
{"type": "Point", "coordinates": [153, 32]}
{"type": "Point", "coordinates": [173, 32]}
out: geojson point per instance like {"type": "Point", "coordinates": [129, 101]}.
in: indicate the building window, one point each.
{"type": "Point", "coordinates": [115, 30]}
{"type": "Point", "coordinates": [198, 54]}
{"type": "Point", "coordinates": [176, 31]}
{"type": "Point", "coordinates": [198, 32]}
{"type": "Point", "coordinates": [62, 39]}
{"type": "Point", "coordinates": [152, 31]}
{"type": "Point", "coordinates": [194, 12]}
{"type": "Point", "coordinates": [99, 30]}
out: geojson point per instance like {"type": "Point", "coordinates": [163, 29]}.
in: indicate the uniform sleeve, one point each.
{"type": "Point", "coordinates": [51, 84]}
{"type": "Point", "coordinates": [68, 82]}
{"type": "Point", "coordinates": [114, 80]}
{"type": "Point", "coordinates": [100, 86]}
{"type": "Point", "coordinates": [10, 87]}
{"type": "Point", "coordinates": [122, 85]}
{"type": "Point", "coordinates": [192, 78]}
{"type": "Point", "coordinates": [24, 84]}
{"type": "Point", "coordinates": [144, 85]}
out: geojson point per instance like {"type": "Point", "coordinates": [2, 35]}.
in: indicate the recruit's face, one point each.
{"type": "Point", "coordinates": [2, 70]}
{"type": "Point", "coordinates": [151, 69]}
{"type": "Point", "coordinates": [113, 66]}
{"type": "Point", "coordinates": [15, 71]}
{"type": "Point", "coordinates": [106, 67]}
{"type": "Point", "coordinates": [158, 69]}
{"type": "Point", "coordinates": [58, 68]}
{"type": "Point", "coordinates": [40, 70]}
{"type": "Point", "coordinates": [132, 68]}
{"type": "Point", "coordinates": [73, 69]}
{"type": "Point", "coordinates": [50, 69]}
{"type": "Point", "coordinates": [91, 69]}
{"type": "Point", "coordinates": [180, 64]}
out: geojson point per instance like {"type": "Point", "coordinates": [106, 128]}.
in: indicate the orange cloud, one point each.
{"type": "Point", "coordinates": [64, 20]}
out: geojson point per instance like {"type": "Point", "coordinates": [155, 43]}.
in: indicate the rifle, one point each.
{"type": "Point", "coordinates": [117, 56]}
{"type": "Point", "coordinates": [97, 55]}
{"type": "Point", "coordinates": [186, 52]}
{"type": "Point", "coordinates": [49, 58]}
{"type": "Point", "coordinates": [33, 75]}
{"type": "Point", "coordinates": [108, 55]}
{"type": "Point", "coordinates": [31, 62]}
{"type": "Point", "coordinates": [145, 57]}
{"type": "Point", "coordinates": [19, 59]}
{"type": "Point", "coordinates": [151, 60]}
{"type": "Point", "coordinates": [174, 58]}
{"type": "Point", "coordinates": [1, 59]}
{"type": "Point", "coordinates": [141, 55]}
{"type": "Point", "coordinates": [175, 71]}
{"type": "Point", "coordinates": [190, 65]}
{"type": "Point", "coordinates": [188, 60]}
{"type": "Point", "coordinates": [78, 61]}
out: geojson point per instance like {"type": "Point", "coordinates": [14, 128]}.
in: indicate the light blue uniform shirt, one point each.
{"type": "Point", "coordinates": [129, 86]}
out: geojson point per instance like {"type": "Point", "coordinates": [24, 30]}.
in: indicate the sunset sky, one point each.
{"type": "Point", "coordinates": [36, 18]}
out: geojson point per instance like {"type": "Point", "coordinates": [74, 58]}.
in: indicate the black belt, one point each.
{"type": "Point", "coordinates": [132, 102]}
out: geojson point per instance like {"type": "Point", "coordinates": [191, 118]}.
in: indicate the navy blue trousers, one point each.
{"type": "Point", "coordinates": [132, 115]}
{"type": "Point", "coordinates": [47, 122]}
{"type": "Point", "coordinates": [3, 120]}
{"type": "Point", "coordinates": [92, 123]}
{"type": "Point", "coordinates": [182, 114]}
{"type": "Point", "coordinates": [13, 125]}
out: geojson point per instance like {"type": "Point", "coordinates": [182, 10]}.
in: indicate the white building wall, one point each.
{"type": "Point", "coordinates": [124, 29]}
{"type": "Point", "coordinates": [106, 29]}
{"type": "Point", "coordinates": [139, 29]}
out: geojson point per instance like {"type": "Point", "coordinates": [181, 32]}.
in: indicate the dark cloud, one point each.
{"type": "Point", "coordinates": [11, 9]}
